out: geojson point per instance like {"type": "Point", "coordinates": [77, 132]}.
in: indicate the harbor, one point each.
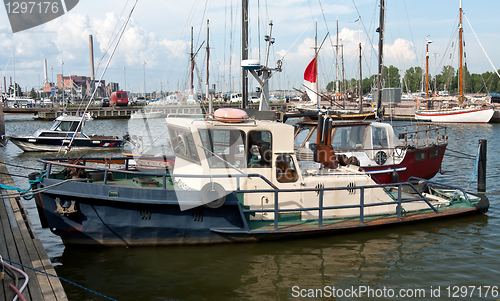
{"type": "Point", "coordinates": [412, 251]}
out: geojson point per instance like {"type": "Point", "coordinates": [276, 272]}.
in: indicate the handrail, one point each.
{"type": "Point", "coordinates": [276, 191]}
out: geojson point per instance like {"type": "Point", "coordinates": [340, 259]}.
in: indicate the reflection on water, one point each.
{"type": "Point", "coordinates": [458, 251]}
{"type": "Point", "coordinates": [410, 257]}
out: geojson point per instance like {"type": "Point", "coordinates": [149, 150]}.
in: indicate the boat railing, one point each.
{"type": "Point", "coordinates": [421, 134]}
{"type": "Point", "coordinates": [399, 201]}
{"type": "Point", "coordinates": [320, 191]}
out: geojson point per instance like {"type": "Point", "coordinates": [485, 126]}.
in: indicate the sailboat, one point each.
{"type": "Point", "coordinates": [314, 105]}
{"type": "Point", "coordinates": [463, 113]}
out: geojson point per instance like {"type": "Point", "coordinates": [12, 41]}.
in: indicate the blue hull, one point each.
{"type": "Point", "coordinates": [101, 221]}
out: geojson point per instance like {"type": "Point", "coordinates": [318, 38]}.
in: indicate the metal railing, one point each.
{"type": "Point", "coordinates": [399, 201]}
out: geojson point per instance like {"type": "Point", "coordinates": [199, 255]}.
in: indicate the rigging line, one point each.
{"type": "Point", "coordinates": [283, 56]}
{"type": "Point", "coordinates": [100, 79]}
{"type": "Point", "coordinates": [481, 45]}
{"type": "Point", "coordinates": [364, 27]}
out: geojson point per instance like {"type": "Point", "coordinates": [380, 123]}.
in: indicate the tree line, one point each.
{"type": "Point", "coordinates": [414, 81]}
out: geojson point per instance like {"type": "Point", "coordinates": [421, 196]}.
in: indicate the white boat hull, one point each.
{"type": "Point", "coordinates": [456, 115]}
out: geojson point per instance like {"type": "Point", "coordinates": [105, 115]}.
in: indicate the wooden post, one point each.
{"type": "Point", "coordinates": [481, 166]}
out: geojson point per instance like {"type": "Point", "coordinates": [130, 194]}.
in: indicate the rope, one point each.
{"type": "Point", "coordinates": [467, 155]}
{"type": "Point", "coordinates": [23, 192]}
{"type": "Point", "coordinates": [474, 172]}
{"type": "Point", "coordinates": [68, 281]}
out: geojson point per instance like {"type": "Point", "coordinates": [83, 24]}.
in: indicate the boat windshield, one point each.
{"type": "Point", "coordinates": [65, 126]}
{"type": "Point", "coordinates": [223, 147]}
{"type": "Point", "coordinates": [349, 137]}
{"type": "Point", "coordinates": [183, 144]}
{"type": "Point", "coordinates": [302, 134]}
{"type": "Point", "coordinates": [55, 125]}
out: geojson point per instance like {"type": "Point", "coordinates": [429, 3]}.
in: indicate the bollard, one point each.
{"type": "Point", "coordinates": [481, 166]}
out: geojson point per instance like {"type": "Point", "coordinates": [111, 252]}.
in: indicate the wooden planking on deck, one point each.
{"type": "Point", "coordinates": [19, 243]}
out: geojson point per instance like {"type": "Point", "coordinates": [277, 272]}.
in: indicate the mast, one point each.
{"type": "Point", "coordinates": [316, 63]}
{"type": "Point", "coordinates": [427, 42]}
{"type": "Point", "coordinates": [208, 65]}
{"type": "Point", "coordinates": [380, 110]}
{"type": "Point", "coordinates": [337, 62]}
{"type": "Point", "coordinates": [244, 53]}
{"type": "Point", "coordinates": [461, 79]}
{"type": "Point", "coordinates": [14, 70]}
{"type": "Point", "coordinates": [360, 90]}
{"type": "Point", "coordinates": [344, 84]}
{"type": "Point", "coordinates": [192, 64]}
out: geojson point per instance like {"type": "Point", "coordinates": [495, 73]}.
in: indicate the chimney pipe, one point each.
{"type": "Point", "coordinates": [46, 80]}
{"type": "Point", "coordinates": [91, 48]}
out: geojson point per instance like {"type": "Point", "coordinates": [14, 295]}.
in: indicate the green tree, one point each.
{"type": "Point", "coordinates": [33, 93]}
{"type": "Point", "coordinates": [391, 76]}
{"type": "Point", "coordinates": [10, 91]}
{"type": "Point", "coordinates": [413, 79]}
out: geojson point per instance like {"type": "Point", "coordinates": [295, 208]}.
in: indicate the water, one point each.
{"type": "Point", "coordinates": [417, 258]}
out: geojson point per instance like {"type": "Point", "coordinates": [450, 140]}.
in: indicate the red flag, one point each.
{"type": "Point", "coordinates": [310, 74]}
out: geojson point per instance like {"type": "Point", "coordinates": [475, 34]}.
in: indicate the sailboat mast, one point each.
{"type": "Point", "coordinates": [380, 61]}
{"type": "Point", "coordinates": [461, 80]}
{"type": "Point", "coordinates": [244, 53]}
{"type": "Point", "coordinates": [316, 63]}
{"type": "Point", "coordinates": [427, 67]}
{"type": "Point", "coordinates": [208, 66]}
{"type": "Point", "coordinates": [337, 61]}
{"type": "Point", "coordinates": [192, 63]}
{"type": "Point", "coordinates": [360, 90]}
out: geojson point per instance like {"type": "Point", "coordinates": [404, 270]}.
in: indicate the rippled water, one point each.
{"type": "Point", "coordinates": [425, 256]}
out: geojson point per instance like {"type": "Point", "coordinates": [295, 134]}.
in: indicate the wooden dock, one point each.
{"type": "Point", "coordinates": [19, 243]}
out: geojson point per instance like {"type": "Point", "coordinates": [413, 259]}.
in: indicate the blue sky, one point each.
{"type": "Point", "coordinates": [159, 35]}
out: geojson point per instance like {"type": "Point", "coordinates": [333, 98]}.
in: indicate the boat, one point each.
{"type": "Point", "coordinates": [231, 182]}
{"type": "Point", "coordinates": [417, 150]}
{"type": "Point", "coordinates": [65, 133]}
{"type": "Point", "coordinates": [462, 113]}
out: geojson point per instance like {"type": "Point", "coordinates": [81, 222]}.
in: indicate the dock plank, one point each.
{"type": "Point", "coordinates": [19, 243]}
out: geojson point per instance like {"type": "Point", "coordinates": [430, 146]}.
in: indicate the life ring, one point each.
{"type": "Point", "coordinates": [212, 195]}
{"type": "Point", "coordinates": [230, 115]}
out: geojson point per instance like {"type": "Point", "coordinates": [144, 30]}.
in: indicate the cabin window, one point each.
{"type": "Point", "coordinates": [302, 134]}
{"type": "Point", "coordinates": [259, 149]}
{"type": "Point", "coordinates": [183, 144]}
{"type": "Point", "coordinates": [224, 148]}
{"type": "Point", "coordinates": [285, 169]}
{"type": "Point", "coordinates": [380, 140]}
{"type": "Point", "coordinates": [421, 156]}
{"type": "Point", "coordinates": [69, 126]}
{"type": "Point", "coordinates": [349, 137]}
{"type": "Point", "coordinates": [434, 153]}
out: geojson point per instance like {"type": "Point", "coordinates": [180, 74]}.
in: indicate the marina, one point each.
{"type": "Point", "coordinates": [378, 256]}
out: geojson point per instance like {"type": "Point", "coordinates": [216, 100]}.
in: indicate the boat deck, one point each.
{"type": "Point", "coordinates": [19, 243]}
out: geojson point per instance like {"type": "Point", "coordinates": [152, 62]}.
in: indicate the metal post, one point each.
{"type": "Point", "coordinates": [481, 166]}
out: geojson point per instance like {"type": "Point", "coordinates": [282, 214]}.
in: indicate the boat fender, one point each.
{"type": "Point", "coordinates": [212, 195]}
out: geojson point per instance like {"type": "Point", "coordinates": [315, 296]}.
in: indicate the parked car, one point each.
{"type": "Point", "coordinates": [105, 102]}
{"type": "Point", "coordinates": [495, 96]}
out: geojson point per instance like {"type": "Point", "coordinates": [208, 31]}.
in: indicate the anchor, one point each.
{"type": "Point", "coordinates": [63, 210]}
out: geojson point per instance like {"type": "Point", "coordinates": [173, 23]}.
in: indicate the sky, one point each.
{"type": "Point", "coordinates": [153, 51]}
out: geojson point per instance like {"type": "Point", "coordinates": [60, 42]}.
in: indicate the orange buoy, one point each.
{"type": "Point", "coordinates": [230, 115]}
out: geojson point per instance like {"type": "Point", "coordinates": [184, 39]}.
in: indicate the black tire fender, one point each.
{"type": "Point", "coordinates": [212, 195]}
